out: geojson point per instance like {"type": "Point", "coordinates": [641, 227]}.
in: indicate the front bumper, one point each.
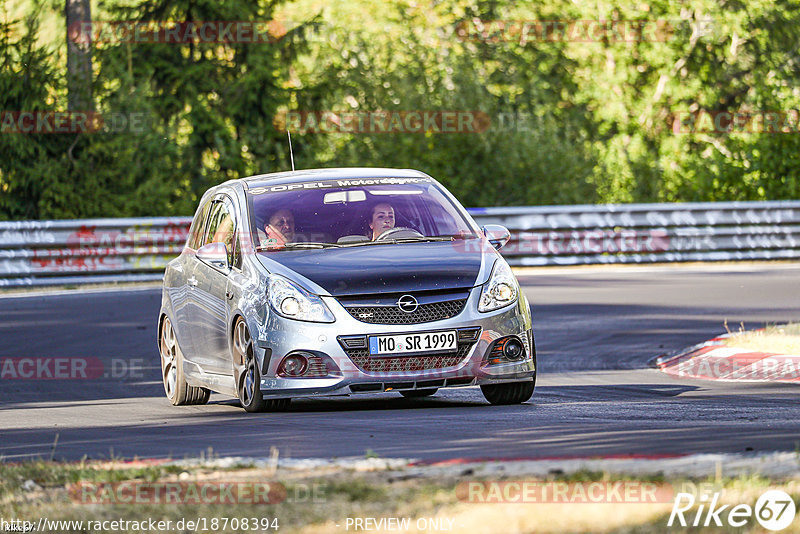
{"type": "Point", "coordinates": [280, 336]}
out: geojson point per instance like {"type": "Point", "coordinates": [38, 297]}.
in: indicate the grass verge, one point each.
{"type": "Point", "coordinates": [778, 339]}
{"type": "Point", "coordinates": [333, 500]}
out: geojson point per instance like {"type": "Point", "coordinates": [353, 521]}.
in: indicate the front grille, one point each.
{"type": "Point", "coordinates": [390, 364]}
{"type": "Point", "coordinates": [425, 313]}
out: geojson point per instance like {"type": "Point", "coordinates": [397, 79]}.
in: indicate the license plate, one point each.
{"type": "Point", "coordinates": [416, 343]}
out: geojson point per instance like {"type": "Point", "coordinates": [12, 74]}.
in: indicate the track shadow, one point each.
{"type": "Point", "coordinates": [571, 421]}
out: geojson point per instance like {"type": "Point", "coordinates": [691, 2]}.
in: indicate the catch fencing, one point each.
{"type": "Point", "coordinates": [37, 253]}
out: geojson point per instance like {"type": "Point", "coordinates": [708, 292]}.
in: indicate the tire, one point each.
{"type": "Point", "coordinates": [249, 387]}
{"type": "Point", "coordinates": [416, 393]}
{"type": "Point", "coordinates": [510, 393]}
{"type": "Point", "coordinates": [176, 389]}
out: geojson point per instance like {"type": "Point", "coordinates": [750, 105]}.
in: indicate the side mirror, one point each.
{"type": "Point", "coordinates": [214, 254]}
{"type": "Point", "coordinates": [497, 235]}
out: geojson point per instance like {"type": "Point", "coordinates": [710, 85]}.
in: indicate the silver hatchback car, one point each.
{"type": "Point", "coordinates": [341, 282]}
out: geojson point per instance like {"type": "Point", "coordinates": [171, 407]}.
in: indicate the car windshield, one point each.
{"type": "Point", "coordinates": [354, 212]}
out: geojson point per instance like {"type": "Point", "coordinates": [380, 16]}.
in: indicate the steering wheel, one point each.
{"type": "Point", "coordinates": [398, 232]}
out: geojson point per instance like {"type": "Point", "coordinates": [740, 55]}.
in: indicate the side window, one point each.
{"type": "Point", "coordinates": [237, 254]}
{"type": "Point", "coordinates": [195, 239]}
{"type": "Point", "coordinates": [213, 223]}
{"type": "Point", "coordinates": [222, 227]}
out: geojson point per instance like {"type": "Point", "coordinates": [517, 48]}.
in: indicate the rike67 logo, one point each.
{"type": "Point", "coordinates": [774, 510]}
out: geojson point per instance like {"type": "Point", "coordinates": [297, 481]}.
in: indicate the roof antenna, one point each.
{"type": "Point", "coordinates": [291, 156]}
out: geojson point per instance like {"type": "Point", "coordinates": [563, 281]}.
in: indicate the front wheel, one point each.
{"type": "Point", "coordinates": [511, 393]}
{"type": "Point", "coordinates": [250, 380]}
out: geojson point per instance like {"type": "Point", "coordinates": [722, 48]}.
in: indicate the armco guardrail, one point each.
{"type": "Point", "coordinates": [89, 251]}
{"type": "Point", "coordinates": [648, 233]}
{"type": "Point", "coordinates": [102, 250]}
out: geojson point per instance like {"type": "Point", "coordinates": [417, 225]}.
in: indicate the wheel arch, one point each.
{"type": "Point", "coordinates": [235, 316]}
{"type": "Point", "coordinates": [160, 327]}
{"type": "Point", "coordinates": [166, 313]}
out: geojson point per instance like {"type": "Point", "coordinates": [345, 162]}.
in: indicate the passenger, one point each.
{"type": "Point", "coordinates": [381, 219]}
{"type": "Point", "coordinates": [280, 229]}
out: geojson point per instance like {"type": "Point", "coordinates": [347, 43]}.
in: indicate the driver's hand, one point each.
{"type": "Point", "coordinates": [275, 239]}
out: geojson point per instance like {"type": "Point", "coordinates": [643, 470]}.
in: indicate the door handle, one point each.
{"type": "Point", "coordinates": [192, 281]}
{"type": "Point", "coordinates": [229, 294]}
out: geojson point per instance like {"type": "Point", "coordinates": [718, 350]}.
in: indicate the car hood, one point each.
{"type": "Point", "coordinates": [396, 268]}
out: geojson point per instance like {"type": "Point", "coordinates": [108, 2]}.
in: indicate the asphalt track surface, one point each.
{"type": "Point", "coordinates": [596, 329]}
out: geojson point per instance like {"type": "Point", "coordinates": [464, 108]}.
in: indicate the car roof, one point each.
{"type": "Point", "coordinates": [310, 175]}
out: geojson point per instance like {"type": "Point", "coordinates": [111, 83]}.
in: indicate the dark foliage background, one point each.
{"type": "Point", "coordinates": [571, 121]}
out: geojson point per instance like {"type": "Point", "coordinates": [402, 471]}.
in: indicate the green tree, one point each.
{"type": "Point", "coordinates": [535, 150]}
{"type": "Point", "coordinates": [28, 82]}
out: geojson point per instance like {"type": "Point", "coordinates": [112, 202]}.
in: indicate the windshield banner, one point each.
{"type": "Point", "coordinates": [345, 182]}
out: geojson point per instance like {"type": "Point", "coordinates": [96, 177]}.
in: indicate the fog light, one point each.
{"type": "Point", "coordinates": [293, 365]}
{"type": "Point", "coordinates": [513, 349]}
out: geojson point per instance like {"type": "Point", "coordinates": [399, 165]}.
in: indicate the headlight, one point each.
{"type": "Point", "coordinates": [501, 289]}
{"type": "Point", "coordinates": [293, 302]}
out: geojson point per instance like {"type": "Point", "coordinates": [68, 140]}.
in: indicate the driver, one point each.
{"type": "Point", "coordinates": [280, 228]}
{"type": "Point", "coordinates": [381, 219]}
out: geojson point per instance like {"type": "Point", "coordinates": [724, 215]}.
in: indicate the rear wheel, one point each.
{"type": "Point", "coordinates": [414, 393]}
{"type": "Point", "coordinates": [177, 390]}
{"type": "Point", "coordinates": [250, 379]}
{"type": "Point", "coordinates": [511, 393]}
